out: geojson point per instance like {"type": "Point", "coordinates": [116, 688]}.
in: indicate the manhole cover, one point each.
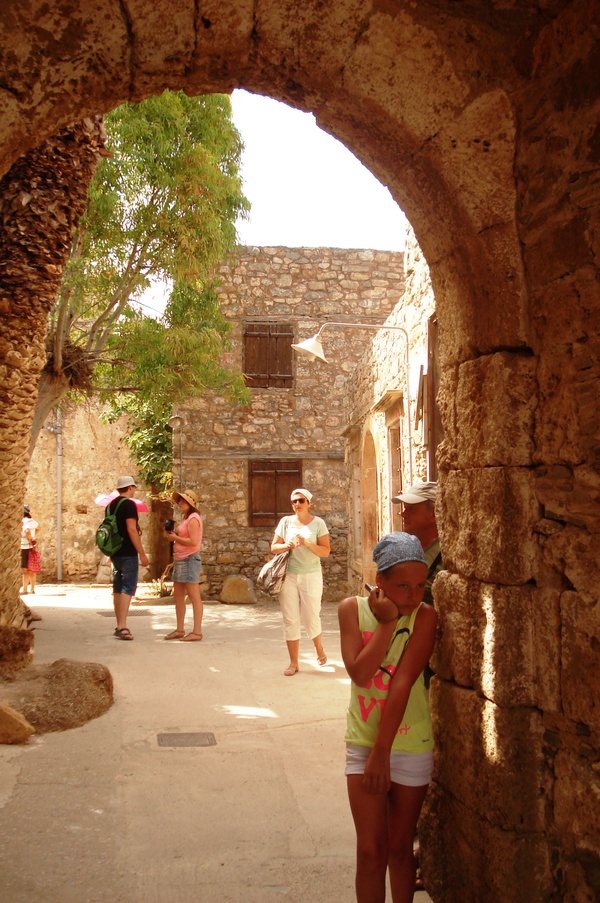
{"type": "Point", "coordinates": [186, 740]}
{"type": "Point", "coordinates": [132, 613]}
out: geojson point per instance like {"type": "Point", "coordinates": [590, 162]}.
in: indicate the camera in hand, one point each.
{"type": "Point", "coordinates": [169, 524]}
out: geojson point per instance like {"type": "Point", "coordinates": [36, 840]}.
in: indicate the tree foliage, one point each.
{"type": "Point", "coordinates": [162, 206]}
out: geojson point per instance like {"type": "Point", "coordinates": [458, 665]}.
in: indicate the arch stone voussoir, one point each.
{"type": "Point", "coordinates": [482, 119]}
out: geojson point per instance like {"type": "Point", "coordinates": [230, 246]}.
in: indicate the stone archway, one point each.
{"type": "Point", "coordinates": [483, 121]}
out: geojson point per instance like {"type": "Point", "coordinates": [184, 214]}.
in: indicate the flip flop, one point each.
{"type": "Point", "coordinates": [322, 657]}
{"type": "Point", "coordinates": [291, 670]}
{"type": "Point", "coordinates": [191, 638]}
{"type": "Point", "coordinates": [123, 633]}
{"type": "Point", "coordinates": [175, 635]}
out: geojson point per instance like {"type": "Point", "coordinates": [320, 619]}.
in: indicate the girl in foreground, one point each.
{"type": "Point", "coordinates": [387, 640]}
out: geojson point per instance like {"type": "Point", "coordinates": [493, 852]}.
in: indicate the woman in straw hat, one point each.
{"type": "Point", "coordinates": [187, 539]}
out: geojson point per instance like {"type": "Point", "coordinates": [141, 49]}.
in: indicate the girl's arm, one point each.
{"type": "Point", "coordinates": [361, 660]}
{"type": "Point", "coordinates": [416, 655]}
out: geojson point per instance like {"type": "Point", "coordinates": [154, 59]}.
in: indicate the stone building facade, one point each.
{"type": "Point", "coordinates": [302, 423]}
{"type": "Point", "coordinates": [392, 426]}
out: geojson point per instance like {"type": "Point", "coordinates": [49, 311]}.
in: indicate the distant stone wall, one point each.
{"type": "Point", "coordinates": [93, 456]}
{"type": "Point", "coordinates": [306, 287]}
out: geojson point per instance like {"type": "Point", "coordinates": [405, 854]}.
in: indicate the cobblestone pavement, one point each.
{"type": "Point", "coordinates": [115, 811]}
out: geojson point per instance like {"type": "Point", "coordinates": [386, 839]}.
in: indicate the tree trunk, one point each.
{"type": "Point", "coordinates": [42, 198]}
{"type": "Point", "coordinates": [51, 390]}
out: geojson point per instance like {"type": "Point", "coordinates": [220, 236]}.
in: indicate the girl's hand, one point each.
{"type": "Point", "coordinates": [377, 778]}
{"type": "Point", "coordinates": [382, 607]}
{"type": "Point", "coordinates": [171, 536]}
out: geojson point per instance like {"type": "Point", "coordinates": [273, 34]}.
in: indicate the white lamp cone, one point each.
{"type": "Point", "coordinates": [311, 348]}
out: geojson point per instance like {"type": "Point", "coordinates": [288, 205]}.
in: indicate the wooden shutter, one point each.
{"type": "Point", "coordinates": [268, 355]}
{"type": "Point", "coordinates": [271, 485]}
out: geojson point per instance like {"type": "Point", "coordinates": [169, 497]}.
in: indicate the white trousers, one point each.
{"type": "Point", "coordinates": [300, 601]}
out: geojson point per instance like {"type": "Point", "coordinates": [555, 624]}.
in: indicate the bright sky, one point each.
{"type": "Point", "coordinates": [306, 188]}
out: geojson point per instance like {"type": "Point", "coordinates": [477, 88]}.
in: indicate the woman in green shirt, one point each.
{"type": "Point", "coordinates": [307, 538]}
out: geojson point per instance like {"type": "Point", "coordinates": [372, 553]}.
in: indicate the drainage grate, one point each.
{"type": "Point", "coordinates": [186, 739]}
{"type": "Point", "coordinates": [132, 613]}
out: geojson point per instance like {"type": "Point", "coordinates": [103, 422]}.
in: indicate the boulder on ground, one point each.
{"type": "Point", "coordinates": [59, 696]}
{"type": "Point", "coordinates": [14, 728]}
{"type": "Point", "coordinates": [238, 590]}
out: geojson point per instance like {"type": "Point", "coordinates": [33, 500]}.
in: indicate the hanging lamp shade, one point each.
{"type": "Point", "coordinates": [311, 348]}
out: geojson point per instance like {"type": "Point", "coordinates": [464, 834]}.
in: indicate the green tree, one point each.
{"type": "Point", "coordinates": [162, 206]}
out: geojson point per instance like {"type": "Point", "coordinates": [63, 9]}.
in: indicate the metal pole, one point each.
{"type": "Point", "coordinates": [181, 454]}
{"type": "Point", "coordinates": [59, 469]}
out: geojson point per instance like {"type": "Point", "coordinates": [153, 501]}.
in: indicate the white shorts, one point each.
{"type": "Point", "coordinates": [409, 769]}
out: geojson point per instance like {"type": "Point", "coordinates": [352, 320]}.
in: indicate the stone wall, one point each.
{"type": "Point", "coordinates": [376, 412]}
{"type": "Point", "coordinates": [93, 456]}
{"type": "Point", "coordinates": [305, 287]}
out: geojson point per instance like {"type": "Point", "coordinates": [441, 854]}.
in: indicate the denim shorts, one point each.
{"type": "Point", "coordinates": [409, 769]}
{"type": "Point", "coordinates": [187, 570]}
{"type": "Point", "coordinates": [125, 574]}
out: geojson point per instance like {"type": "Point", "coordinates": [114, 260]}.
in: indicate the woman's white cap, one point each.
{"type": "Point", "coordinates": [307, 495]}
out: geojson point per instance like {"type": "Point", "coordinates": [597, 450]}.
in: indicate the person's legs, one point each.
{"type": "Point", "coordinates": [310, 591]}
{"type": "Point", "coordinates": [179, 599]}
{"type": "Point", "coordinates": [121, 602]}
{"type": "Point", "coordinates": [193, 591]}
{"type": "Point", "coordinates": [125, 574]}
{"type": "Point", "coordinates": [290, 610]}
{"type": "Point", "coordinates": [32, 576]}
{"type": "Point", "coordinates": [293, 652]}
{"type": "Point", "coordinates": [369, 811]}
{"type": "Point", "coordinates": [404, 807]}
{"type": "Point", "coordinates": [24, 571]}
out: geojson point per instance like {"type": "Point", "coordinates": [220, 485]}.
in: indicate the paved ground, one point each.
{"type": "Point", "coordinates": [103, 813]}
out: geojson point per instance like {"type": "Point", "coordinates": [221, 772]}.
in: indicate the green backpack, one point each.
{"type": "Point", "coordinates": [108, 538]}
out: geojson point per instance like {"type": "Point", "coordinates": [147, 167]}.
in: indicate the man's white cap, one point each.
{"type": "Point", "coordinates": [420, 492]}
{"type": "Point", "coordinates": [125, 482]}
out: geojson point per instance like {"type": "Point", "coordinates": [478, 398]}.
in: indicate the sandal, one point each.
{"type": "Point", "coordinates": [175, 635]}
{"type": "Point", "coordinates": [123, 633]}
{"type": "Point", "coordinates": [191, 638]}
{"type": "Point", "coordinates": [322, 657]}
{"type": "Point", "coordinates": [291, 670]}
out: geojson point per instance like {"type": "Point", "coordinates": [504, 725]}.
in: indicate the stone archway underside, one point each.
{"type": "Point", "coordinates": [482, 118]}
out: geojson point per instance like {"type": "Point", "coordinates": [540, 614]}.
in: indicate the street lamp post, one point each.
{"type": "Point", "coordinates": [312, 348]}
{"type": "Point", "coordinates": [177, 422]}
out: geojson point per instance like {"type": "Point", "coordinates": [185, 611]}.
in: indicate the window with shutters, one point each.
{"type": "Point", "coordinates": [268, 355]}
{"type": "Point", "coordinates": [271, 485]}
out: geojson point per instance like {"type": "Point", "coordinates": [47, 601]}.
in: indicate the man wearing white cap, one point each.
{"type": "Point", "coordinates": [125, 563]}
{"type": "Point", "coordinates": [418, 519]}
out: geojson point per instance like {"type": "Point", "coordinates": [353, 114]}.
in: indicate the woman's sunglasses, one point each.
{"type": "Point", "coordinates": [298, 501]}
